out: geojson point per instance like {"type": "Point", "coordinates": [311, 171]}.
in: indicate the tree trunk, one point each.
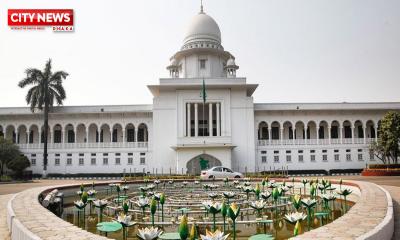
{"type": "Point", "coordinates": [46, 128]}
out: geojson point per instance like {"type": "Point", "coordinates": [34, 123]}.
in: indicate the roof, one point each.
{"type": "Point", "coordinates": [327, 106]}
{"type": "Point", "coordinates": [81, 109]}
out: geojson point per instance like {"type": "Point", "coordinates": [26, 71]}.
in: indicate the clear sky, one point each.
{"type": "Point", "coordinates": [298, 51]}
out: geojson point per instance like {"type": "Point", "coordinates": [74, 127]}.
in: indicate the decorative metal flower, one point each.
{"type": "Point", "coordinates": [258, 205]}
{"type": "Point", "coordinates": [149, 233]}
{"type": "Point", "coordinates": [265, 195]}
{"type": "Point", "coordinates": [157, 181]}
{"type": "Point", "coordinates": [344, 192]}
{"type": "Point", "coordinates": [295, 217]}
{"type": "Point", "coordinates": [100, 203]}
{"type": "Point", "coordinates": [184, 228]}
{"type": "Point", "coordinates": [236, 182]}
{"type": "Point", "coordinates": [196, 182]}
{"type": "Point", "coordinates": [125, 188]}
{"type": "Point", "coordinates": [307, 202]}
{"type": "Point", "coordinates": [91, 192]}
{"type": "Point", "coordinates": [217, 235]}
{"type": "Point", "coordinates": [329, 196]}
{"type": "Point", "coordinates": [229, 195]}
{"type": "Point", "coordinates": [79, 204]}
{"type": "Point", "coordinates": [233, 211]}
{"type": "Point", "coordinates": [125, 220]}
{"type": "Point", "coordinates": [143, 202]}
{"type": "Point", "coordinates": [213, 195]}
{"type": "Point", "coordinates": [297, 201]}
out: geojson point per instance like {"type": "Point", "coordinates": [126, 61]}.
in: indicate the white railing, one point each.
{"type": "Point", "coordinates": [277, 142]}
{"type": "Point", "coordinates": [85, 145]}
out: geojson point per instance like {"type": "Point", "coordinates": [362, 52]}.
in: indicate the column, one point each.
{"type": "Point", "coordinates": [305, 134]}
{"type": "Point", "coordinates": [123, 135]}
{"type": "Point", "coordinates": [329, 135]}
{"type": "Point", "coordinates": [210, 118]}
{"type": "Point", "coordinates": [40, 135]}
{"type": "Point", "coordinates": [352, 135]}
{"type": "Point", "coordinates": [98, 131]}
{"type": "Point", "coordinates": [63, 136]}
{"type": "Point", "coordinates": [196, 120]}
{"type": "Point", "coordinates": [376, 133]}
{"type": "Point", "coordinates": [87, 135]}
{"type": "Point", "coordinates": [188, 123]}
{"type": "Point", "coordinates": [16, 136]}
{"type": "Point", "coordinates": [294, 137]}
{"type": "Point", "coordinates": [27, 136]}
{"type": "Point", "coordinates": [365, 134]}
{"type": "Point", "coordinates": [269, 135]}
{"type": "Point", "coordinates": [218, 120]}
{"type": "Point", "coordinates": [281, 135]}
{"type": "Point", "coordinates": [111, 134]}
{"type": "Point", "coordinates": [341, 134]}
{"type": "Point", "coordinates": [76, 134]}
{"type": "Point", "coordinates": [317, 132]}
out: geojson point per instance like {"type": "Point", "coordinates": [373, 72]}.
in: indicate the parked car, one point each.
{"type": "Point", "coordinates": [219, 172]}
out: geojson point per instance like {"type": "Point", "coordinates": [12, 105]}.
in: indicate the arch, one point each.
{"type": "Point", "coordinates": [57, 133]}
{"type": "Point", "coordinates": [105, 133]}
{"type": "Point", "coordinates": [69, 133]}
{"type": "Point", "coordinates": [10, 133]}
{"type": "Point", "coordinates": [22, 136]}
{"type": "Point", "coordinates": [323, 129]}
{"type": "Point", "coordinates": [117, 133]}
{"type": "Point", "coordinates": [263, 133]}
{"type": "Point", "coordinates": [299, 130]}
{"type": "Point", "coordinates": [311, 130]}
{"type": "Point", "coordinates": [201, 162]}
{"type": "Point", "coordinates": [335, 126]}
{"type": "Point", "coordinates": [142, 133]}
{"type": "Point", "coordinates": [347, 131]}
{"type": "Point", "coordinates": [130, 132]}
{"type": "Point", "coordinates": [48, 134]}
{"type": "Point", "coordinates": [93, 135]}
{"type": "Point", "coordinates": [81, 133]}
{"type": "Point", "coordinates": [370, 131]}
{"type": "Point", "coordinates": [275, 130]}
{"type": "Point", "coordinates": [358, 129]}
{"type": "Point", "coordinates": [33, 134]}
{"type": "Point", "coordinates": [287, 130]}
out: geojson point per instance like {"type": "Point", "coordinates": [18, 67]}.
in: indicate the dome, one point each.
{"type": "Point", "coordinates": [202, 28]}
{"type": "Point", "coordinates": [231, 62]}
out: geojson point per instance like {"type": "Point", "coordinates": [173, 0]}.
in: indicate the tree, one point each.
{"type": "Point", "coordinates": [18, 165]}
{"type": "Point", "coordinates": [387, 148]}
{"type": "Point", "coordinates": [8, 152]}
{"type": "Point", "coordinates": [46, 89]}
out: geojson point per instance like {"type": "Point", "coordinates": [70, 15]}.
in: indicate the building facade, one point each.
{"type": "Point", "coordinates": [180, 129]}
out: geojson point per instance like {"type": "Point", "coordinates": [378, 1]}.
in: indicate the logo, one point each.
{"type": "Point", "coordinates": [60, 20]}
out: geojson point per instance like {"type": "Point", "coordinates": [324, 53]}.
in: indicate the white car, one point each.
{"type": "Point", "coordinates": [219, 172]}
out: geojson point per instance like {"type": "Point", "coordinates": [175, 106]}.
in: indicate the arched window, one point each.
{"type": "Point", "coordinates": [142, 133]}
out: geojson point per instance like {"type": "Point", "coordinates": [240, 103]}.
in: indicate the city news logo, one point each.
{"type": "Point", "coordinates": [60, 20]}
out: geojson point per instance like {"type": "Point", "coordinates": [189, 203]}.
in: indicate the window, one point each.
{"type": "Point", "coordinates": [69, 154]}
{"type": "Point", "coordinates": [33, 161]}
{"type": "Point", "coordinates": [288, 158]}
{"type": "Point", "coordinates": [263, 152]}
{"type": "Point", "coordinates": [93, 154]}
{"type": "Point", "coordinates": [93, 161]}
{"type": "Point", "coordinates": [105, 154]}
{"type": "Point", "coordinates": [325, 158]}
{"type": "Point", "coordinates": [288, 151]}
{"type": "Point", "coordinates": [276, 158]}
{"type": "Point", "coordinates": [117, 161]}
{"type": "Point", "coordinates": [348, 157]}
{"type": "Point", "coordinates": [312, 158]}
{"type": "Point", "coordinates": [336, 150]}
{"type": "Point", "coordinates": [130, 161]}
{"type": "Point", "coordinates": [360, 157]}
{"type": "Point", "coordinates": [81, 161]}
{"type": "Point", "coordinates": [105, 161]}
{"type": "Point", "coordinates": [71, 136]}
{"type": "Point", "coordinates": [263, 159]}
{"type": "Point", "coordinates": [142, 158]}
{"type": "Point", "coordinates": [324, 151]}
{"type": "Point", "coordinates": [115, 135]}
{"type": "Point", "coordinates": [57, 161]}
{"type": "Point", "coordinates": [348, 150]}
{"type": "Point", "coordinates": [202, 63]}
{"type": "Point", "coordinates": [131, 135]}
{"type": "Point", "coordinates": [276, 152]}
{"type": "Point", "coordinates": [336, 156]}
{"type": "Point", "coordinates": [301, 158]}
{"type": "Point", "coordinates": [57, 136]}
{"type": "Point", "coordinates": [371, 156]}
{"type": "Point", "coordinates": [57, 154]}
{"type": "Point", "coordinates": [117, 154]}
{"type": "Point", "coordinates": [300, 151]}
{"type": "Point", "coordinates": [130, 154]}
{"type": "Point", "coordinates": [312, 151]}
{"type": "Point", "coordinates": [69, 161]}
{"type": "Point", "coordinates": [33, 155]}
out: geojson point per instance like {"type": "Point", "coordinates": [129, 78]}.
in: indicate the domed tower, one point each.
{"type": "Point", "coordinates": [202, 54]}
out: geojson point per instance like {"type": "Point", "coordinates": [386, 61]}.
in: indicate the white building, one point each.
{"type": "Point", "coordinates": [177, 129]}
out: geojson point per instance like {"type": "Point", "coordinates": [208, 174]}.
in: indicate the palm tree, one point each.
{"type": "Point", "coordinates": [47, 88]}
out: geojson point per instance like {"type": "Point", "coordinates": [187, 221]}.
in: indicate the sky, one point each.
{"type": "Point", "coordinates": [297, 51]}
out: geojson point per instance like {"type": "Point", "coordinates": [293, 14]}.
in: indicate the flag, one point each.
{"type": "Point", "coordinates": [203, 93]}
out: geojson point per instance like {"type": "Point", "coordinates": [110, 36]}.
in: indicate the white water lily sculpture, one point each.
{"type": "Point", "coordinates": [149, 233]}
{"type": "Point", "coordinates": [236, 182]}
{"type": "Point", "coordinates": [142, 202]}
{"type": "Point", "coordinates": [91, 192]}
{"type": "Point", "coordinates": [125, 187]}
{"type": "Point", "coordinates": [217, 235]}
{"type": "Point", "coordinates": [258, 205]}
{"type": "Point", "coordinates": [125, 220]}
{"type": "Point", "coordinates": [213, 195]}
{"type": "Point", "coordinates": [196, 182]}
{"type": "Point", "coordinates": [229, 194]}
{"type": "Point", "coordinates": [295, 217]}
{"type": "Point", "coordinates": [157, 181]}
{"type": "Point", "coordinates": [265, 195]}
{"type": "Point", "coordinates": [308, 202]}
{"type": "Point", "coordinates": [329, 196]}
{"type": "Point", "coordinates": [100, 203]}
{"type": "Point", "coordinates": [79, 204]}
